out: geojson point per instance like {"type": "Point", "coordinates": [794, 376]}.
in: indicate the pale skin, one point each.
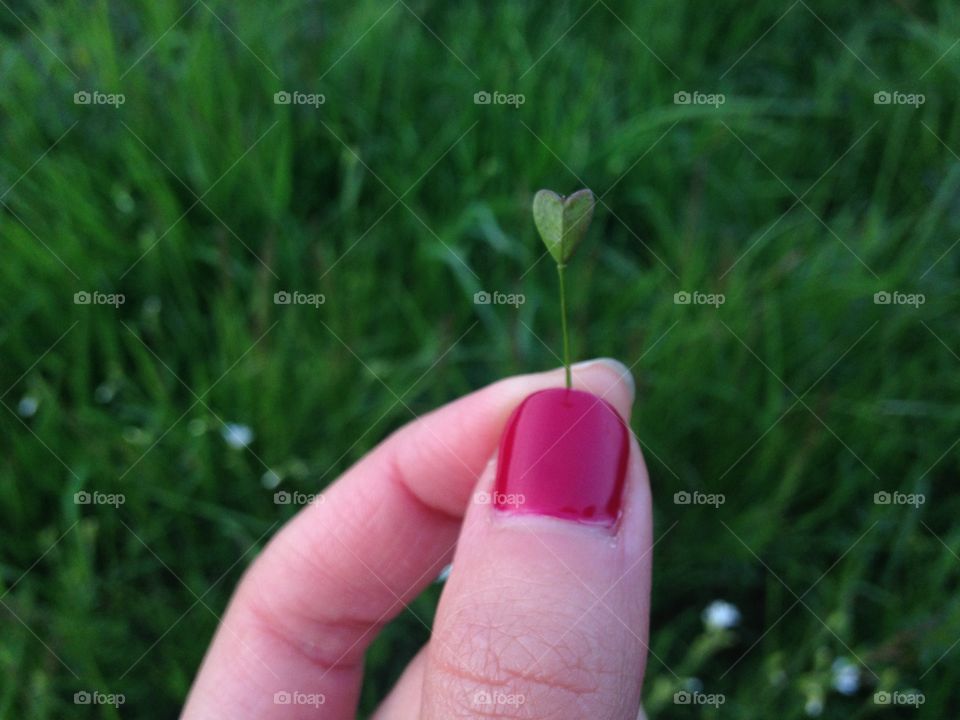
{"type": "Point", "coordinates": [540, 618]}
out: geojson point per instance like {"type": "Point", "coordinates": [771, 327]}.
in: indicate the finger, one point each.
{"type": "Point", "coordinates": [545, 613]}
{"type": "Point", "coordinates": [404, 700]}
{"type": "Point", "coordinates": [309, 606]}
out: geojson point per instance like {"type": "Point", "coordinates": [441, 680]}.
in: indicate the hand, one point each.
{"type": "Point", "coordinates": [546, 609]}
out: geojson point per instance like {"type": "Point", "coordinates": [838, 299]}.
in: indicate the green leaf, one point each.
{"type": "Point", "coordinates": [562, 221]}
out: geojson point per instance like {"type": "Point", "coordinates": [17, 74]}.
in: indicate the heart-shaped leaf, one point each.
{"type": "Point", "coordinates": [562, 221]}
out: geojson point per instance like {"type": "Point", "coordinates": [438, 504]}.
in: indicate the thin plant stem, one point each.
{"type": "Point", "coordinates": [563, 323]}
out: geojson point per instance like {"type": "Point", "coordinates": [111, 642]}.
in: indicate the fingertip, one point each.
{"type": "Point", "coordinates": [609, 380]}
{"type": "Point", "coordinates": [604, 377]}
{"type": "Point", "coordinates": [619, 372]}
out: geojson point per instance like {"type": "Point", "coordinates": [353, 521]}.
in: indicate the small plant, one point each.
{"type": "Point", "coordinates": [562, 222]}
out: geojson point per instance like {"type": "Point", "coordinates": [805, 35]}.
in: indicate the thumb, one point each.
{"type": "Point", "coordinates": [546, 611]}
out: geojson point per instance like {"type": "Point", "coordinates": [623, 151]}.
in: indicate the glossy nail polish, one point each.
{"type": "Point", "coordinates": [563, 453]}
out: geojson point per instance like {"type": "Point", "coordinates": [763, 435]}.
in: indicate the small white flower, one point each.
{"type": "Point", "coordinates": [721, 615]}
{"type": "Point", "coordinates": [236, 435]}
{"type": "Point", "coordinates": [693, 685]}
{"type": "Point", "coordinates": [814, 707]}
{"type": "Point", "coordinates": [444, 574]}
{"type": "Point", "coordinates": [104, 393]}
{"type": "Point", "coordinates": [152, 305]}
{"type": "Point", "coordinates": [846, 677]}
{"type": "Point", "coordinates": [270, 479]}
{"type": "Point", "coordinates": [28, 406]}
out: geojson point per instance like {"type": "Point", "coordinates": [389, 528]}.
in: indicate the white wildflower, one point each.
{"type": "Point", "coordinates": [236, 435]}
{"type": "Point", "coordinates": [721, 615]}
{"type": "Point", "coordinates": [28, 406]}
{"type": "Point", "coordinates": [846, 677]}
{"type": "Point", "coordinates": [814, 707]}
{"type": "Point", "coordinates": [270, 479]}
{"type": "Point", "coordinates": [444, 574]}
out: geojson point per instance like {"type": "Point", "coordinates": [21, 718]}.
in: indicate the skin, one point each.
{"type": "Point", "coordinates": [540, 618]}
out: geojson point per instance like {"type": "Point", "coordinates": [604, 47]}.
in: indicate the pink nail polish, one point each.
{"type": "Point", "coordinates": [563, 453]}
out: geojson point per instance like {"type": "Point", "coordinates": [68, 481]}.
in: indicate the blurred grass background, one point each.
{"type": "Point", "coordinates": [798, 198]}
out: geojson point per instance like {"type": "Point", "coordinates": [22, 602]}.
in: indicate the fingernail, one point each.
{"type": "Point", "coordinates": [563, 454]}
{"type": "Point", "coordinates": [622, 371]}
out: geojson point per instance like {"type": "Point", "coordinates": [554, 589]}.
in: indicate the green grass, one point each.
{"type": "Point", "coordinates": [693, 198]}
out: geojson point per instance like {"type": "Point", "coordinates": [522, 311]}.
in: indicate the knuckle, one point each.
{"type": "Point", "coordinates": [326, 642]}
